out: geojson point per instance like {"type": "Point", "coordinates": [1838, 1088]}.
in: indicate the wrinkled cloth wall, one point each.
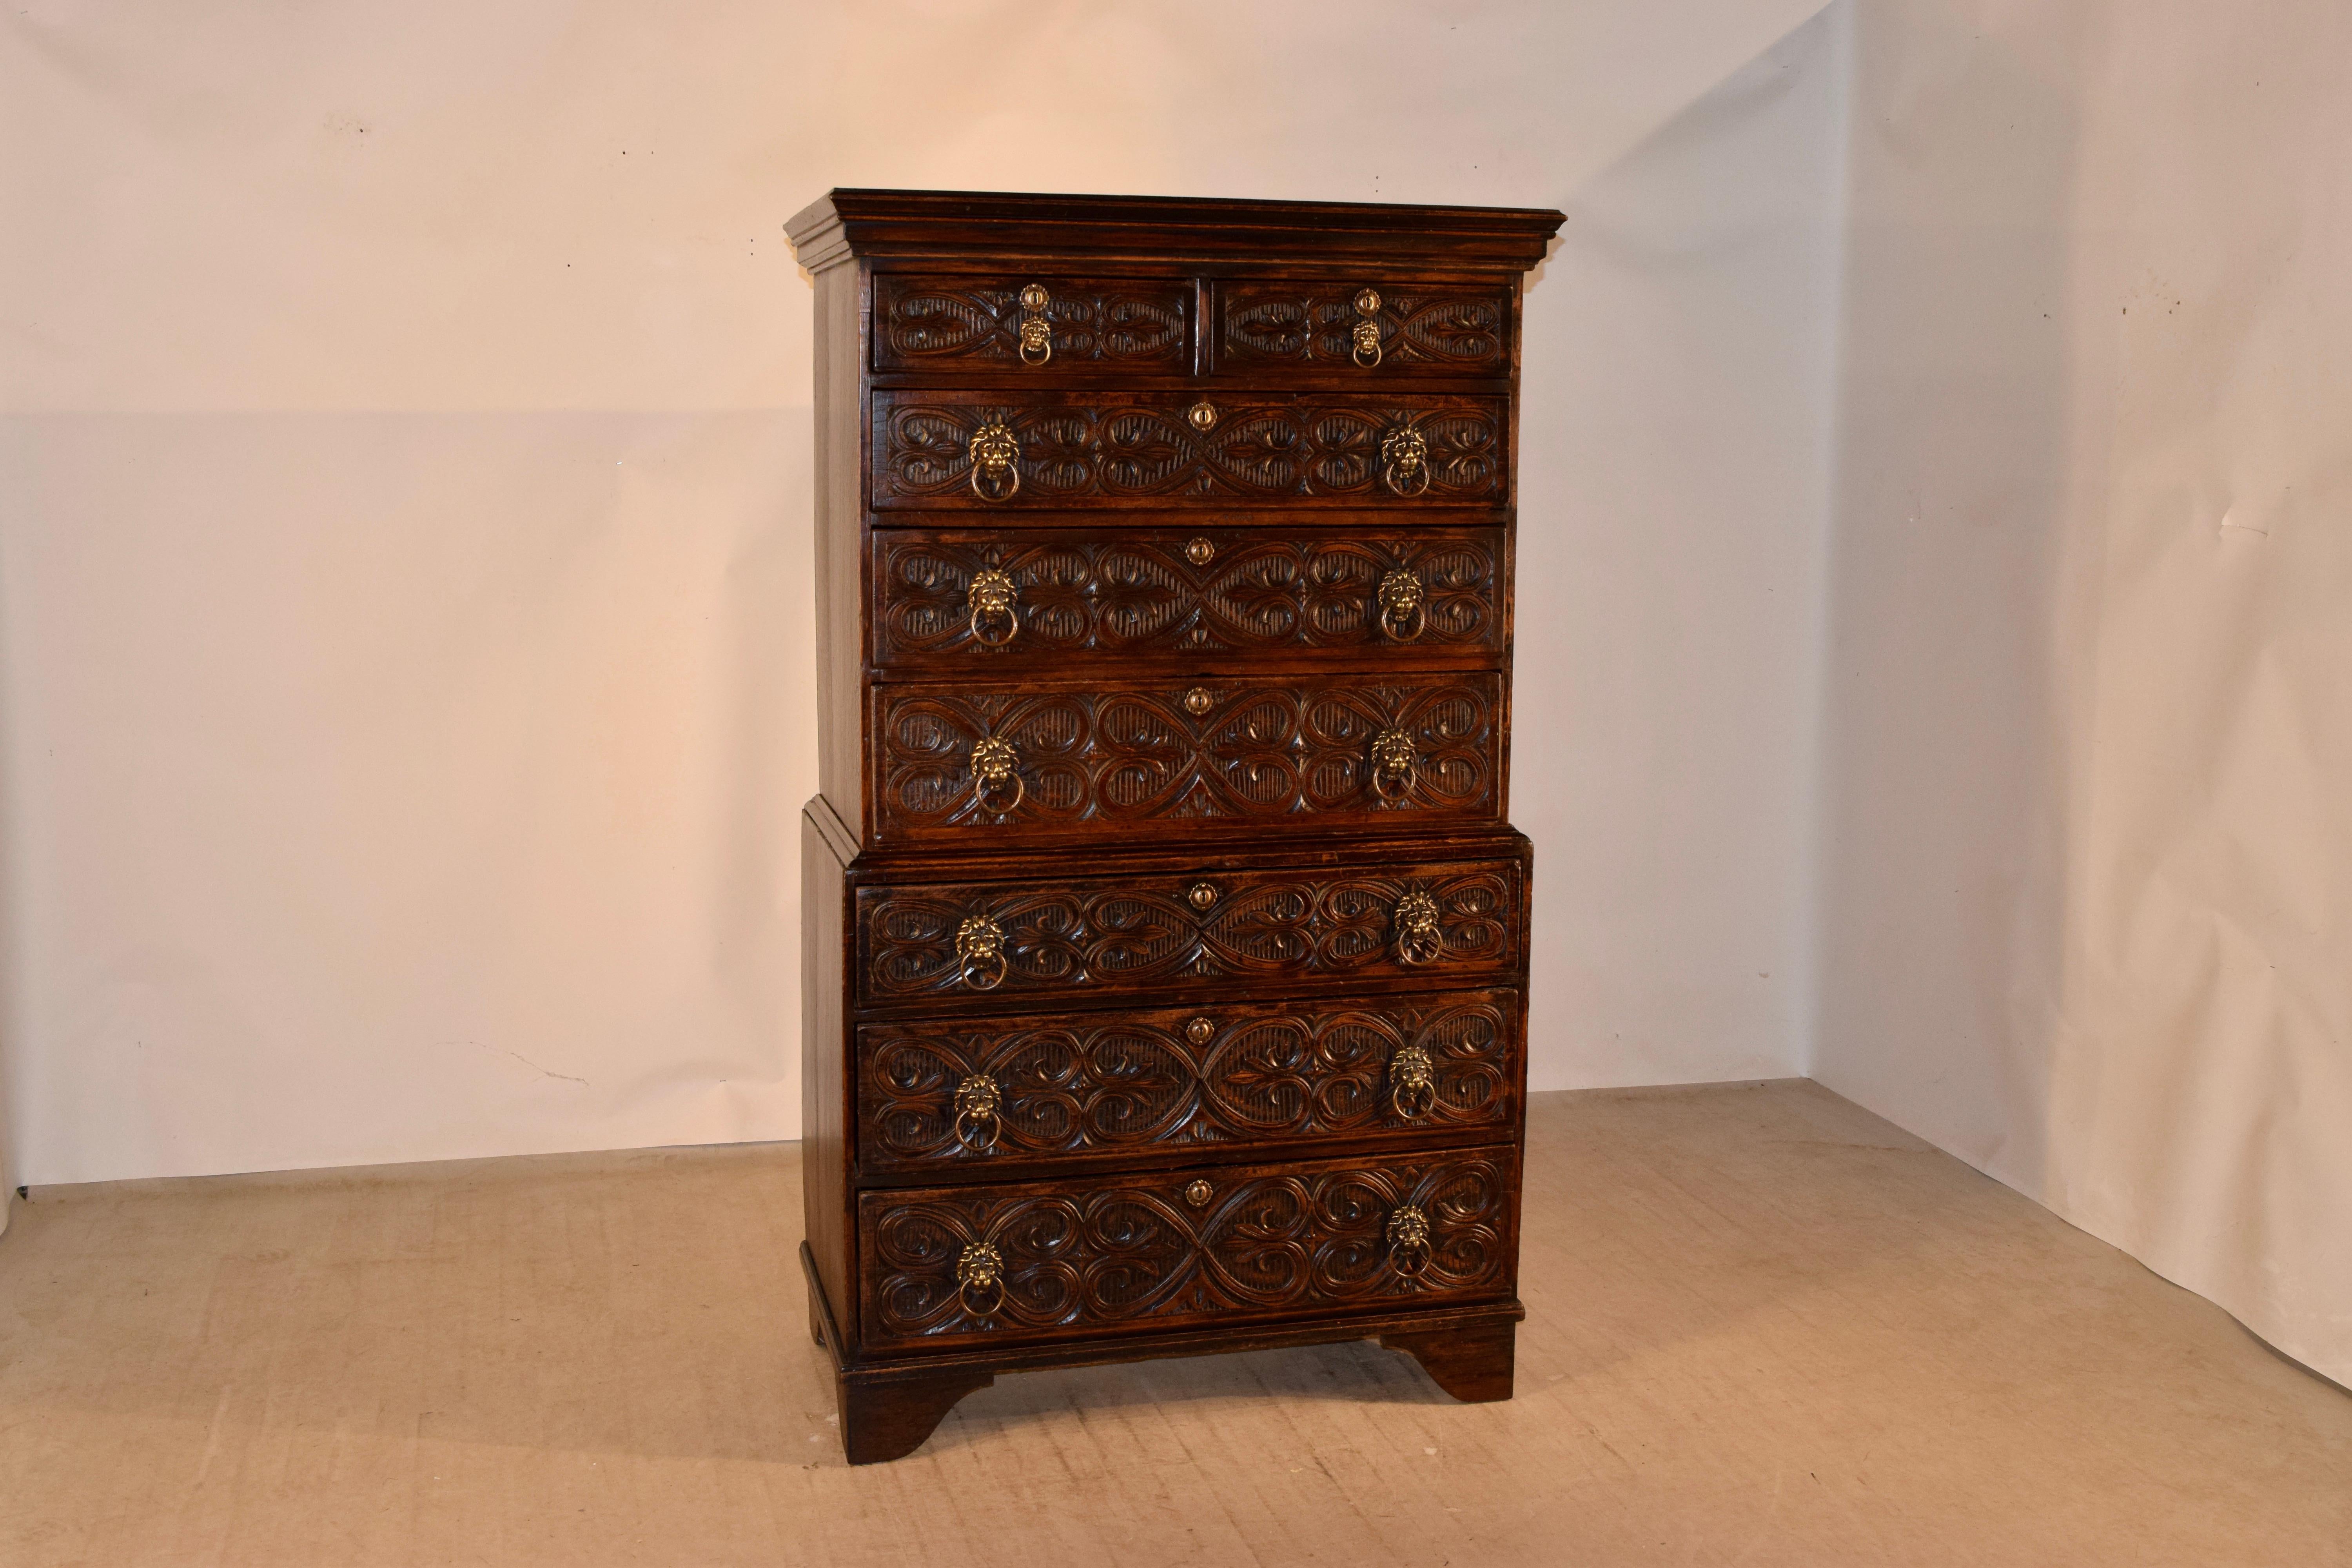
{"type": "Point", "coordinates": [2086, 897]}
{"type": "Point", "coordinates": [404, 509]}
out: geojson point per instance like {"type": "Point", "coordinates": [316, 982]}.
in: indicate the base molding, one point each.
{"type": "Point", "coordinates": [889, 1409]}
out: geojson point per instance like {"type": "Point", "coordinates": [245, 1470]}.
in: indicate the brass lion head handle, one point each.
{"type": "Point", "coordinates": [1393, 764]}
{"type": "Point", "coordinates": [996, 775]}
{"type": "Point", "coordinates": [979, 1277]}
{"type": "Point", "coordinates": [1036, 330]}
{"type": "Point", "coordinates": [996, 458]}
{"type": "Point", "coordinates": [1401, 597]}
{"type": "Point", "coordinates": [1404, 461]}
{"type": "Point", "coordinates": [979, 953]}
{"type": "Point", "coordinates": [977, 1102]}
{"type": "Point", "coordinates": [1367, 330]}
{"type": "Point", "coordinates": [990, 597]}
{"type": "Point", "coordinates": [1412, 1082]}
{"type": "Point", "coordinates": [1408, 1239]}
{"type": "Point", "coordinates": [1418, 937]}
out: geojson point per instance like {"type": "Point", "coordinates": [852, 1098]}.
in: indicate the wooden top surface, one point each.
{"type": "Point", "coordinates": [972, 224]}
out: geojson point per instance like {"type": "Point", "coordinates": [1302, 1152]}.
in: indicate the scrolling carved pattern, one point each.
{"type": "Point", "coordinates": [1457, 330]}
{"type": "Point", "coordinates": [1111, 1251]}
{"type": "Point", "coordinates": [1103, 760]}
{"type": "Point", "coordinates": [1138, 449]}
{"type": "Point", "coordinates": [1142, 324]}
{"type": "Point", "coordinates": [1102, 936]}
{"type": "Point", "coordinates": [1131, 594]}
{"type": "Point", "coordinates": [1111, 1085]}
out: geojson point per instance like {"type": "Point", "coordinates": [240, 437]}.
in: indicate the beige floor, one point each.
{"type": "Point", "coordinates": [1763, 1327]}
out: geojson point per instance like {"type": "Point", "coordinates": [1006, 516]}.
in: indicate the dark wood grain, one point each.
{"type": "Point", "coordinates": [1471, 1362]}
{"type": "Point", "coordinates": [1086, 1088]}
{"type": "Point", "coordinates": [951, 323]}
{"type": "Point", "coordinates": [1423, 328]}
{"type": "Point", "coordinates": [1194, 597]}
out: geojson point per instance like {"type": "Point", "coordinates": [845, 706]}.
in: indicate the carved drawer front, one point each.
{"type": "Point", "coordinates": [970, 600]}
{"type": "Point", "coordinates": [1447, 922]}
{"type": "Point", "coordinates": [946, 1265]}
{"type": "Point", "coordinates": [971, 763]}
{"type": "Point", "coordinates": [1004, 450]}
{"type": "Point", "coordinates": [1035, 323]}
{"type": "Point", "coordinates": [1101, 1086]}
{"type": "Point", "coordinates": [1371, 326]}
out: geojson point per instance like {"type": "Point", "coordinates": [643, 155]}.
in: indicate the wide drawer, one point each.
{"type": "Point", "coordinates": [946, 1265]}
{"type": "Point", "coordinates": [1371, 326]}
{"type": "Point", "coordinates": [1446, 922]}
{"type": "Point", "coordinates": [972, 763]}
{"type": "Point", "coordinates": [1038, 323]}
{"type": "Point", "coordinates": [1104, 1085]}
{"type": "Point", "coordinates": [972, 599]}
{"type": "Point", "coordinates": [1006, 449]}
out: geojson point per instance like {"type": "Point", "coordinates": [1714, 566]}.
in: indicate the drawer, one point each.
{"type": "Point", "coordinates": [1104, 1085]}
{"type": "Point", "coordinates": [971, 763]}
{"type": "Point", "coordinates": [1055, 934]}
{"type": "Point", "coordinates": [1034, 323]}
{"type": "Point", "coordinates": [976, 600]}
{"type": "Point", "coordinates": [1375, 327]}
{"type": "Point", "coordinates": [946, 1265]}
{"type": "Point", "coordinates": [1007, 450]}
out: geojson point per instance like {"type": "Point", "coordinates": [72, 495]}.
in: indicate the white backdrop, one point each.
{"type": "Point", "coordinates": [405, 498]}
{"type": "Point", "coordinates": [2087, 887]}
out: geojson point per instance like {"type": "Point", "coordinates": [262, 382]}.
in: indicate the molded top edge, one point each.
{"type": "Point", "coordinates": [847, 223]}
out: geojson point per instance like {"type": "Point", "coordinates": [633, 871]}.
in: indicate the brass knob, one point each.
{"type": "Point", "coordinates": [1199, 552]}
{"type": "Point", "coordinates": [1199, 1031]}
{"type": "Point", "coordinates": [1393, 764]}
{"type": "Point", "coordinates": [979, 953]}
{"type": "Point", "coordinates": [1400, 594]}
{"type": "Point", "coordinates": [1201, 415]}
{"type": "Point", "coordinates": [1412, 1082]}
{"type": "Point", "coordinates": [1199, 1193]}
{"type": "Point", "coordinates": [995, 456]}
{"type": "Point", "coordinates": [980, 1279]}
{"type": "Point", "coordinates": [995, 765]}
{"type": "Point", "coordinates": [1036, 331]}
{"type": "Point", "coordinates": [1201, 895]}
{"type": "Point", "coordinates": [990, 597]}
{"type": "Point", "coordinates": [1367, 331]}
{"type": "Point", "coordinates": [976, 1104]}
{"type": "Point", "coordinates": [1199, 700]}
{"type": "Point", "coordinates": [1408, 1239]}
{"type": "Point", "coordinates": [1418, 937]}
{"type": "Point", "coordinates": [1404, 461]}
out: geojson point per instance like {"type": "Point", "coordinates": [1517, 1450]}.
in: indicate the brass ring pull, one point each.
{"type": "Point", "coordinates": [1393, 764]}
{"type": "Point", "coordinates": [996, 458]}
{"type": "Point", "coordinates": [1367, 330]}
{"type": "Point", "coordinates": [979, 953]}
{"type": "Point", "coordinates": [980, 1273]}
{"type": "Point", "coordinates": [1404, 461]}
{"type": "Point", "coordinates": [994, 766]}
{"type": "Point", "coordinates": [1036, 331]}
{"type": "Point", "coordinates": [1408, 1239]}
{"type": "Point", "coordinates": [1418, 937]}
{"type": "Point", "coordinates": [1401, 597]}
{"type": "Point", "coordinates": [976, 1105]}
{"type": "Point", "coordinates": [1412, 1082]}
{"type": "Point", "coordinates": [994, 622]}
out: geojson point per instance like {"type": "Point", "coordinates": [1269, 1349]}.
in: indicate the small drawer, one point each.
{"type": "Point", "coordinates": [1040, 324]}
{"type": "Point", "coordinates": [1054, 934]}
{"type": "Point", "coordinates": [1005, 451]}
{"type": "Point", "coordinates": [1099, 1086]}
{"type": "Point", "coordinates": [1374, 327]}
{"type": "Point", "coordinates": [973, 600]}
{"type": "Point", "coordinates": [944, 1267]}
{"type": "Point", "coordinates": [1027, 760]}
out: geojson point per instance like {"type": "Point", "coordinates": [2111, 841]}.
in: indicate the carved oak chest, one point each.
{"type": "Point", "coordinates": [1166, 939]}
